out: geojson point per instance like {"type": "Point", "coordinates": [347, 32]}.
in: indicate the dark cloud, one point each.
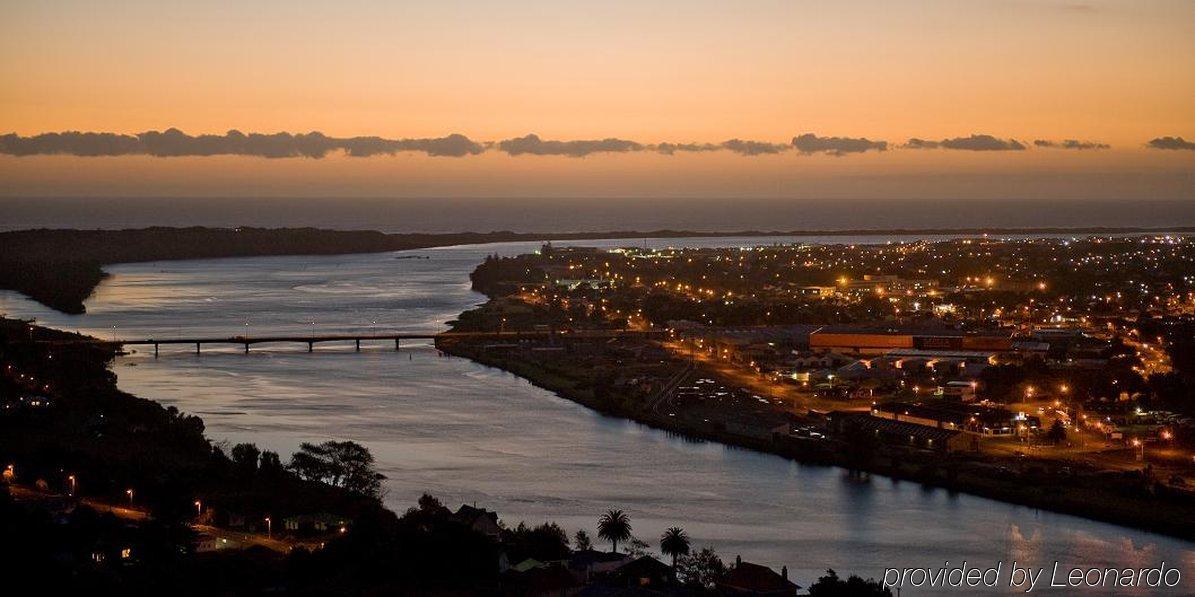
{"type": "Point", "coordinates": [742, 147]}
{"type": "Point", "coordinates": [916, 143]}
{"type": "Point", "coordinates": [972, 143]}
{"type": "Point", "coordinates": [1171, 143]}
{"type": "Point", "coordinates": [982, 143]}
{"type": "Point", "coordinates": [533, 145]}
{"type": "Point", "coordinates": [838, 146]}
{"type": "Point", "coordinates": [174, 143]}
{"type": "Point", "coordinates": [671, 148]}
{"type": "Point", "coordinates": [1070, 144]}
{"type": "Point", "coordinates": [454, 145]}
{"type": "Point", "coordinates": [72, 143]}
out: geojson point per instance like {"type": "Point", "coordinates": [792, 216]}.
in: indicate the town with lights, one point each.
{"type": "Point", "coordinates": [1058, 372]}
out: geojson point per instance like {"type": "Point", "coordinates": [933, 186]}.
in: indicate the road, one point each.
{"type": "Point", "coordinates": [234, 539]}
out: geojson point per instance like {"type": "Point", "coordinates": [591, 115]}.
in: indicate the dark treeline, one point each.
{"type": "Point", "coordinates": [67, 426]}
{"type": "Point", "coordinates": [60, 268]}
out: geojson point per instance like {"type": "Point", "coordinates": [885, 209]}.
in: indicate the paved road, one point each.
{"type": "Point", "coordinates": [228, 537]}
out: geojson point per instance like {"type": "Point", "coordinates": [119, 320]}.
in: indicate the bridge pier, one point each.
{"type": "Point", "coordinates": [155, 350]}
{"type": "Point", "coordinates": [397, 344]}
{"type": "Point", "coordinates": [358, 345]}
{"type": "Point", "coordinates": [310, 346]}
{"type": "Point", "coordinates": [196, 348]}
{"type": "Point", "coordinates": [246, 348]}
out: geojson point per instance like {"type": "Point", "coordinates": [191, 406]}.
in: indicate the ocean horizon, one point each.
{"type": "Point", "coordinates": [434, 215]}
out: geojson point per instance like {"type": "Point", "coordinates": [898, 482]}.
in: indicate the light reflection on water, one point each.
{"type": "Point", "coordinates": [467, 433]}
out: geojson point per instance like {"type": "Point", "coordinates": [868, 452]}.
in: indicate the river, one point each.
{"type": "Point", "coordinates": [471, 434]}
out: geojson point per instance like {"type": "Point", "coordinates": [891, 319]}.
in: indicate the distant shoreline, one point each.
{"type": "Point", "coordinates": [60, 268]}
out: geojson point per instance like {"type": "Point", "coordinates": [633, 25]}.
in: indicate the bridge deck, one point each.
{"type": "Point", "coordinates": [241, 340]}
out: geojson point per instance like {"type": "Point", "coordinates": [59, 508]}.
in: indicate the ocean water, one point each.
{"type": "Point", "coordinates": [472, 434]}
{"type": "Point", "coordinates": [563, 215]}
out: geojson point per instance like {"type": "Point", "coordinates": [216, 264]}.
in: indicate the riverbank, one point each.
{"type": "Point", "coordinates": [1126, 498]}
{"type": "Point", "coordinates": [61, 268]}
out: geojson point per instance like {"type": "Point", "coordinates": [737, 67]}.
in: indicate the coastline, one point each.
{"type": "Point", "coordinates": [1168, 518]}
{"type": "Point", "coordinates": [61, 268]}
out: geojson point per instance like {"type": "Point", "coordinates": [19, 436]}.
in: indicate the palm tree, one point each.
{"type": "Point", "coordinates": [614, 526]}
{"type": "Point", "coordinates": [674, 542]}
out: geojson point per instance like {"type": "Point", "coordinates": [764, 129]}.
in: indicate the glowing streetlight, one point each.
{"type": "Point", "coordinates": [71, 478]}
{"type": "Point", "coordinates": [198, 508]}
{"type": "Point", "coordinates": [269, 527]}
{"type": "Point", "coordinates": [129, 492]}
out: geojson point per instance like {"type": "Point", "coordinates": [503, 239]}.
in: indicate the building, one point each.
{"type": "Point", "coordinates": [746, 578]}
{"type": "Point", "coordinates": [315, 524]}
{"type": "Point", "coordinates": [859, 340]}
{"type": "Point", "coordinates": [479, 519]}
{"type": "Point", "coordinates": [816, 291]}
{"type": "Point", "coordinates": [804, 359]}
{"type": "Point", "coordinates": [963, 391]}
{"type": "Point", "coordinates": [957, 416]}
{"type": "Point", "coordinates": [889, 283]}
{"type": "Point", "coordinates": [902, 432]}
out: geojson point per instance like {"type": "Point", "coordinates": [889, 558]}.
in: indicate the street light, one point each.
{"type": "Point", "coordinates": [198, 508]}
{"type": "Point", "coordinates": [129, 492]}
{"type": "Point", "coordinates": [71, 478]}
{"type": "Point", "coordinates": [269, 527]}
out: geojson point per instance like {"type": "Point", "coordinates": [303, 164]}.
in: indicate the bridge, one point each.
{"type": "Point", "coordinates": [312, 339]}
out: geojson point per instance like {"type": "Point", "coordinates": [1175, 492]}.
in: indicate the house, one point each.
{"type": "Point", "coordinates": [958, 390]}
{"type": "Point", "coordinates": [479, 519]}
{"type": "Point", "coordinates": [812, 360]}
{"type": "Point", "coordinates": [646, 572]}
{"type": "Point", "coordinates": [541, 581]}
{"type": "Point", "coordinates": [315, 523]}
{"type": "Point", "coordinates": [585, 564]}
{"type": "Point", "coordinates": [746, 578]}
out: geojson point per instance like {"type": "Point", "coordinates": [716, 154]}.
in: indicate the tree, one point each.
{"type": "Point", "coordinates": [244, 459]}
{"type": "Point", "coordinates": [581, 539]}
{"type": "Point", "coordinates": [347, 465]}
{"type": "Point", "coordinates": [270, 464]}
{"type": "Point", "coordinates": [1057, 433]}
{"type": "Point", "coordinates": [614, 526]}
{"type": "Point", "coordinates": [701, 569]}
{"type": "Point", "coordinates": [832, 586]}
{"type": "Point", "coordinates": [674, 542]}
{"type": "Point", "coordinates": [546, 542]}
{"type": "Point", "coordinates": [429, 503]}
{"type": "Point", "coordinates": [637, 547]}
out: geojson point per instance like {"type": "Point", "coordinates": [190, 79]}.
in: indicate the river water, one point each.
{"type": "Point", "coordinates": [467, 433]}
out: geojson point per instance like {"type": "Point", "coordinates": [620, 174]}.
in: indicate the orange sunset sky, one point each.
{"type": "Point", "coordinates": [1107, 73]}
